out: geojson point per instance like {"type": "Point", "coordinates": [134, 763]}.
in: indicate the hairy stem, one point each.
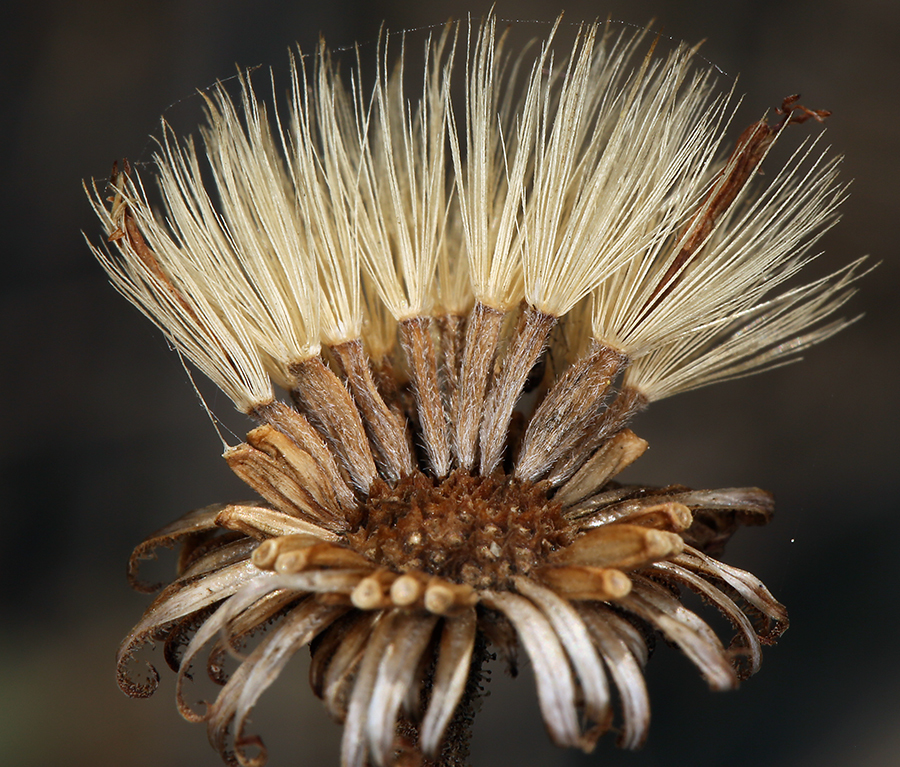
{"type": "Point", "coordinates": [526, 347]}
{"type": "Point", "coordinates": [478, 357]}
{"type": "Point", "coordinates": [561, 417]}
{"type": "Point", "coordinates": [327, 403]}
{"type": "Point", "coordinates": [386, 431]}
{"type": "Point", "coordinates": [415, 336]}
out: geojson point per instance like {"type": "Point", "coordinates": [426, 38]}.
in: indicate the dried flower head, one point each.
{"type": "Point", "coordinates": [467, 307]}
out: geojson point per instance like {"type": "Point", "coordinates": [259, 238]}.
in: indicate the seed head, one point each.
{"type": "Point", "coordinates": [467, 305]}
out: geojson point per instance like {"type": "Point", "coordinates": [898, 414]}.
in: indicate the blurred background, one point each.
{"type": "Point", "coordinates": [104, 441]}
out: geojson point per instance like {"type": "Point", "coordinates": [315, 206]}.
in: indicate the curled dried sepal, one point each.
{"type": "Point", "coordinates": [173, 603]}
{"type": "Point", "coordinates": [454, 657]}
{"type": "Point", "coordinates": [408, 642]}
{"type": "Point", "coordinates": [195, 524]}
{"type": "Point", "coordinates": [303, 464]}
{"type": "Point", "coordinates": [304, 434]}
{"type": "Point", "coordinates": [683, 627]}
{"type": "Point", "coordinates": [771, 616]}
{"type": "Point", "coordinates": [354, 743]}
{"type": "Point", "coordinates": [261, 668]}
{"type": "Point", "coordinates": [582, 653]}
{"type": "Point", "coordinates": [342, 667]}
{"type": "Point", "coordinates": [555, 685]}
{"type": "Point", "coordinates": [624, 666]}
{"type": "Point", "coordinates": [745, 650]}
{"type": "Point", "coordinates": [218, 623]}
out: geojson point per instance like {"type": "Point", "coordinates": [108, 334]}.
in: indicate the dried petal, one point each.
{"type": "Point", "coordinates": [297, 630]}
{"type": "Point", "coordinates": [300, 463]}
{"type": "Point", "coordinates": [397, 670]}
{"type": "Point", "coordinates": [746, 585]}
{"type": "Point", "coordinates": [747, 643]}
{"type": "Point", "coordinates": [681, 626]}
{"type": "Point", "coordinates": [625, 671]}
{"type": "Point", "coordinates": [210, 628]}
{"type": "Point", "coordinates": [614, 456]}
{"type": "Point", "coordinates": [177, 601]}
{"type": "Point", "coordinates": [196, 522]}
{"type": "Point", "coordinates": [343, 666]}
{"type": "Point", "coordinates": [279, 485]}
{"type": "Point", "coordinates": [556, 688]}
{"type": "Point", "coordinates": [259, 670]}
{"type": "Point", "coordinates": [228, 553]}
{"type": "Point", "coordinates": [581, 651]}
{"type": "Point", "coordinates": [577, 582]}
{"type": "Point", "coordinates": [354, 744]}
{"type": "Point", "coordinates": [450, 677]}
{"type": "Point", "coordinates": [260, 522]}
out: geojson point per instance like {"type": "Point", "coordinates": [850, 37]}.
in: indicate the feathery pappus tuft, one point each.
{"type": "Point", "coordinates": [467, 303]}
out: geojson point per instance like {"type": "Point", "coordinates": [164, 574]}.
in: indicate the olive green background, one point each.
{"type": "Point", "coordinates": [103, 439]}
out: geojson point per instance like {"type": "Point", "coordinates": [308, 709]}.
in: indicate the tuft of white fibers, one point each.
{"type": "Point", "coordinates": [766, 336]}
{"type": "Point", "coordinates": [492, 174]}
{"type": "Point", "coordinates": [760, 240]}
{"type": "Point", "coordinates": [259, 258]}
{"type": "Point", "coordinates": [616, 157]}
{"type": "Point", "coordinates": [401, 208]}
{"type": "Point", "coordinates": [158, 274]}
{"type": "Point", "coordinates": [591, 179]}
{"type": "Point", "coordinates": [322, 156]}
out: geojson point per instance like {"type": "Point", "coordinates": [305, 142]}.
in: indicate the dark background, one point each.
{"type": "Point", "coordinates": [103, 439]}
